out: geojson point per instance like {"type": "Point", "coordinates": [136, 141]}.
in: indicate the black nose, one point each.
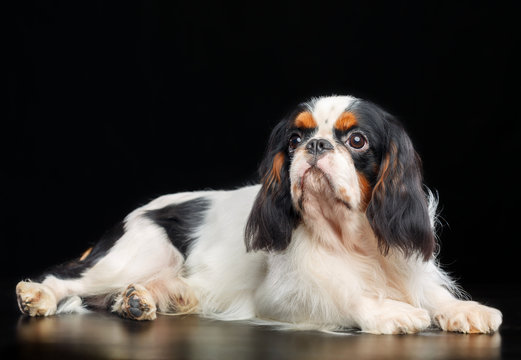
{"type": "Point", "coordinates": [318, 146]}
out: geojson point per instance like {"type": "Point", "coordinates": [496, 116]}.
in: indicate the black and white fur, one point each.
{"type": "Point", "coordinates": [335, 236]}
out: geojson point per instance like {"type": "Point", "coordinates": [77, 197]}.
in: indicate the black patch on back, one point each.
{"type": "Point", "coordinates": [75, 268]}
{"type": "Point", "coordinates": [106, 242]}
{"type": "Point", "coordinates": [180, 221]}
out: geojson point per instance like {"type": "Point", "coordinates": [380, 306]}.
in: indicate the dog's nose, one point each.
{"type": "Point", "coordinates": [318, 146]}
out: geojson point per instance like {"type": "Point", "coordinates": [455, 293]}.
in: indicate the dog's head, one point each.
{"type": "Point", "coordinates": [335, 156]}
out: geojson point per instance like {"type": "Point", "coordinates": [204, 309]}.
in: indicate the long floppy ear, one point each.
{"type": "Point", "coordinates": [273, 217]}
{"type": "Point", "coordinates": [398, 211]}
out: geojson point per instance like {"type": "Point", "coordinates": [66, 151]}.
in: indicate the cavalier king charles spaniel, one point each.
{"type": "Point", "coordinates": [339, 234]}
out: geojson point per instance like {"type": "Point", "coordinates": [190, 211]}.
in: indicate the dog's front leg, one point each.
{"type": "Point", "coordinates": [386, 316]}
{"type": "Point", "coordinates": [453, 314]}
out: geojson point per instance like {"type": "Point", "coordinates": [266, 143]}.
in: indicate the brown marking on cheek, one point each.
{"type": "Point", "coordinates": [384, 172]}
{"type": "Point", "coordinates": [365, 191]}
{"type": "Point", "coordinates": [274, 173]}
{"type": "Point", "coordinates": [305, 120]}
{"type": "Point", "coordinates": [346, 121]}
{"type": "Point", "coordinates": [386, 168]}
{"type": "Point", "coordinates": [278, 161]}
{"type": "Point", "coordinates": [85, 254]}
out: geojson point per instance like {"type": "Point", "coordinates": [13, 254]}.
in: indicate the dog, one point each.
{"type": "Point", "coordinates": [338, 234]}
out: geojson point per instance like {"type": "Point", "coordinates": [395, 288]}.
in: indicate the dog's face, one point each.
{"type": "Point", "coordinates": [334, 157]}
{"type": "Point", "coordinates": [329, 149]}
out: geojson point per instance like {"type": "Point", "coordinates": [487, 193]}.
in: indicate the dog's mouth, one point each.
{"type": "Point", "coordinates": [316, 183]}
{"type": "Point", "coordinates": [316, 178]}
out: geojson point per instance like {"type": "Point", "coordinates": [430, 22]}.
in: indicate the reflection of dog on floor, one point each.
{"type": "Point", "coordinates": [339, 234]}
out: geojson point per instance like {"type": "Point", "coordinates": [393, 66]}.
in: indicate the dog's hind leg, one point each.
{"type": "Point", "coordinates": [137, 267]}
{"type": "Point", "coordinates": [166, 292]}
{"type": "Point", "coordinates": [137, 253]}
{"type": "Point", "coordinates": [41, 296]}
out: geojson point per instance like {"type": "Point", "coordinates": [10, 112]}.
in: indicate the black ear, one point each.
{"type": "Point", "coordinates": [398, 211]}
{"type": "Point", "coordinates": [273, 217]}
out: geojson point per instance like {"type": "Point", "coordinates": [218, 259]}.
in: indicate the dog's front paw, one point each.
{"type": "Point", "coordinates": [135, 303]}
{"type": "Point", "coordinates": [35, 299]}
{"type": "Point", "coordinates": [468, 317]}
{"type": "Point", "coordinates": [396, 318]}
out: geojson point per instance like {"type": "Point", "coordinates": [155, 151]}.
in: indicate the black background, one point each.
{"type": "Point", "coordinates": [113, 103]}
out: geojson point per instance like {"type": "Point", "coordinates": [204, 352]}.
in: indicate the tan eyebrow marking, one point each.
{"type": "Point", "coordinates": [305, 120]}
{"type": "Point", "coordinates": [346, 121]}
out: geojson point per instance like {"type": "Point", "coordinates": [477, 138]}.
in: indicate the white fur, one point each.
{"type": "Point", "coordinates": [331, 276]}
{"type": "Point", "coordinates": [72, 305]}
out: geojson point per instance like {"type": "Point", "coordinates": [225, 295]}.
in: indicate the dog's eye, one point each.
{"type": "Point", "coordinates": [357, 141]}
{"type": "Point", "coordinates": [294, 141]}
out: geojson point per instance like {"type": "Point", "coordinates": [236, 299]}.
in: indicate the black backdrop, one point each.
{"type": "Point", "coordinates": [113, 103]}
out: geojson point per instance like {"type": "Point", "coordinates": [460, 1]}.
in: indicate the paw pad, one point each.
{"type": "Point", "coordinates": [137, 304]}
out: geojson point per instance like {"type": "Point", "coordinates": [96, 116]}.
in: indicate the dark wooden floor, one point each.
{"type": "Point", "coordinates": [104, 336]}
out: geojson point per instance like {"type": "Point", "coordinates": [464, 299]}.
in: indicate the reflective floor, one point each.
{"type": "Point", "coordinates": [104, 336]}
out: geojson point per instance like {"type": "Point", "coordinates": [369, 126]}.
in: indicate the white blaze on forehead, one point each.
{"type": "Point", "coordinates": [338, 164]}
{"type": "Point", "coordinates": [326, 110]}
